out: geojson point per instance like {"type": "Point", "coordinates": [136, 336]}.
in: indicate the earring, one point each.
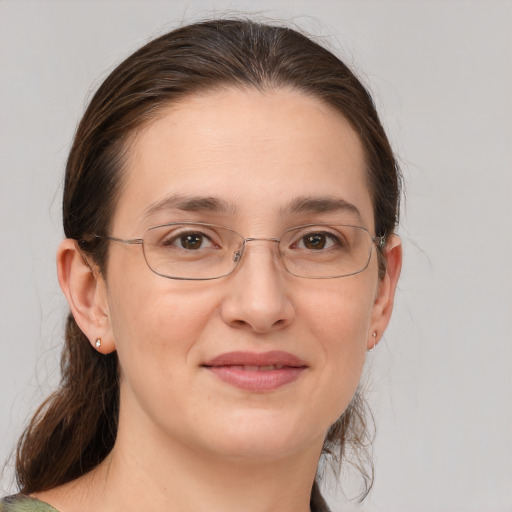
{"type": "Point", "coordinates": [98, 343]}
{"type": "Point", "coordinates": [374, 335]}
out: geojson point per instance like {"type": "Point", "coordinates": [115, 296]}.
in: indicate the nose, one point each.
{"type": "Point", "coordinates": [257, 297]}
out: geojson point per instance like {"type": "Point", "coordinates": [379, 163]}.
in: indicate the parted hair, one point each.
{"type": "Point", "coordinates": [75, 428]}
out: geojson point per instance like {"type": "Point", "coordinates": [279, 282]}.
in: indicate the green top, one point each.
{"type": "Point", "coordinates": [20, 503]}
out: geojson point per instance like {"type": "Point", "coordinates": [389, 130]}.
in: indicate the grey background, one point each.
{"type": "Point", "coordinates": [441, 384]}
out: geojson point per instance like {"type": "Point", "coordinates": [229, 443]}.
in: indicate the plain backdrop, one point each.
{"type": "Point", "coordinates": [441, 383]}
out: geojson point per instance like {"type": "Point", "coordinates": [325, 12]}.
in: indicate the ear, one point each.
{"type": "Point", "coordinates": [383, 305]}
{"type": "Point", "coordinates": [86, 292]}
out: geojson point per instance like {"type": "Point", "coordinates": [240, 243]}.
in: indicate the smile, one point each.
{"type": "Point", "coordinates": [256, 372]}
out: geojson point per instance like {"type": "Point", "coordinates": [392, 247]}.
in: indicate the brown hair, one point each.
{"type": "Point", "coordinates": [75, 428]}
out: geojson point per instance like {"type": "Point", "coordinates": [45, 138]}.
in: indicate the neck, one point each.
{"type": "Point", "coordinates": [179, 478]}
{"type": "Point", "coordinates": [141, 474]}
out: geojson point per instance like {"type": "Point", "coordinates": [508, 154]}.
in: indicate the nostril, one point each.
{"type": "Point", "coordinates": [240, 323]}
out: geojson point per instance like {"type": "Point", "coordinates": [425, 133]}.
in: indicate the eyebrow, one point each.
{"type": "Point", "coordinates": [306, 204]}
{"type": "Point", "coordinates": [190, 204]}
{"type": "Point", "coordinates": [299, 205]}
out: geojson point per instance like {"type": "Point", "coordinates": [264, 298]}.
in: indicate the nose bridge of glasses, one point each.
{"type": "Point", "coordinates": [238, 254]}
{"type": "Point", "coordinates": [253, 239]}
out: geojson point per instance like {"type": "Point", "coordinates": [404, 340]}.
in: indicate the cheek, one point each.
{"type": "Point", "coordinates": [339, 311]}
{"type": "Point", "coordinates": [339, 319]}
{"type": "Point", "coordinates": [154, 321]}
{"type": "Point", "coordinates": [147, 310]}
{"type": "Point", "coordinates": [157, 326]}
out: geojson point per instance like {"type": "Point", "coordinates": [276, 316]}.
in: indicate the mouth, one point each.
{"type": "Point", "coordinates": [257, 372]}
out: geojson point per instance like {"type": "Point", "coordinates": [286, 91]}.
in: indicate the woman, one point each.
{"type": "Point", "coordinates": [229, 208]}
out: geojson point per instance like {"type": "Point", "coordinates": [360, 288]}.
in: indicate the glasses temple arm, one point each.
{"type": "Point", "coordinates": [131, 241]}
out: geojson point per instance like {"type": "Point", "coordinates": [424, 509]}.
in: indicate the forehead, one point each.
{"type": "Point", "coordinates": [253, 151]}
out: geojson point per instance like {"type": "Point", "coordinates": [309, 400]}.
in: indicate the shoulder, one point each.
{"type": "Point", "coordinates": [20, 503]}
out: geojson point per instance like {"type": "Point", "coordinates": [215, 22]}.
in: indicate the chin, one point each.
{"type": "Point", "coordinates": [265, 436]}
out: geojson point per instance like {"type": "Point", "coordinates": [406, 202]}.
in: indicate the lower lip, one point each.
{"type": "Point", "coordinates": [256, 381]}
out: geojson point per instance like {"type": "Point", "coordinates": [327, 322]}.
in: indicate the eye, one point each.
{"type": "Point", "coordinates": [189, 241]}
{"type": "Point", "coordinates": [317, 241]}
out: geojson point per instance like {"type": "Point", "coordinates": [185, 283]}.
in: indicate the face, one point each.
{"type": "Point", "coordinates": [189, 350]}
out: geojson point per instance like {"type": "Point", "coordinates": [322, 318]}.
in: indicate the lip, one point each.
{"type": "Point", "coordinates": [257, 372]}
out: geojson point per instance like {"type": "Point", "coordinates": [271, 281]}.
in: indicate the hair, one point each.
{"type": "Point", "coordinates": [75, 428]}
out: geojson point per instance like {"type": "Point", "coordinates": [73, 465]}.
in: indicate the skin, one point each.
{"type": "Point", "coordinates": [181, 428]}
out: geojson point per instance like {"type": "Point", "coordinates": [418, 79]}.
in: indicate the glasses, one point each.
{"type": "Point", "coordinates": [201, 251]}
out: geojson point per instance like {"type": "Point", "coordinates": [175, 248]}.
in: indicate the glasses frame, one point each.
{"type": "Point", "coordinates": [380, 241]}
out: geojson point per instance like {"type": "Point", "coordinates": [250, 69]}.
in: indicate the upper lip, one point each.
{"type": "Point", "coordinates": [271, 358]}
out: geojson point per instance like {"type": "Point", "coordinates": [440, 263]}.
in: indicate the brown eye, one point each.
{"type": "Point", "coordinates": [318, 241]}
{"type": "Point", "coordinates": [305, 240]}
{"type": "Point", "coordinates": [314, 241]}
{"type": "Point", "coordinates": [188, 241]}
{"type": "Point", "coordinates": [191, 241]}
